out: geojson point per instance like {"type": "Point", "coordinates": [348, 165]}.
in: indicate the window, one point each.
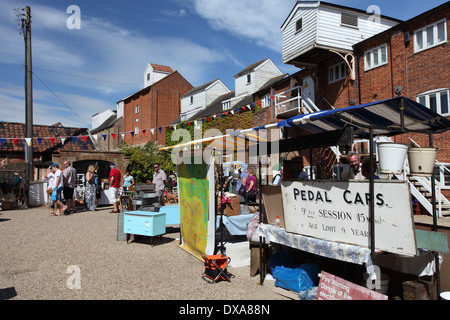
{"type": "Point", "coordinates": [148, 76]}
{"type": "Point", "coordinates": [298, 25]}
{"type": "Point", "coordinates": [337, 72]}
{"type": "Point", "coordinates": [136, 130]}
{"type": "Point", "coordinates": [136, 109]}
{"type": "Point", "coordinates": [430, 36]}
{"type": "Point", "coordinates": [137, 120]}
{"type": "Point", "coordinates": [249, 78]}
{"type": "Point", "coordinates": [349, 20]}
{"type": "Point", "coordinates": [375, 57]}
{"type": "Point", "coordinates": [192, 99]}
{"type": "Point", "coordinates": [436, 100]}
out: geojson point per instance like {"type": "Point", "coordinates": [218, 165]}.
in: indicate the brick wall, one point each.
{"type": "Point", "coordinates": [158, 104]}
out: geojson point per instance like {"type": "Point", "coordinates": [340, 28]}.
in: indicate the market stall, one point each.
{"type": "Point", "coordinates": [359, 243]}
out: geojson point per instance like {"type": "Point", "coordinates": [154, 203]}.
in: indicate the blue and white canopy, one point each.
{"type": "Point", "coordinates": [388, 117]}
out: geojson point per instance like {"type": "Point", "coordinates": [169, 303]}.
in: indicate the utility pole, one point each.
{"type": "Point", "coordinates": [26, 24]}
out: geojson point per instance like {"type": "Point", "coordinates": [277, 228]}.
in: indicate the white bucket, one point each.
{"type": "Point", "coordinates": [445, 295]}
{"type": "Point", "coordinates": [391, 156]}
{"type": "Point", "coordinates": [421, 161]}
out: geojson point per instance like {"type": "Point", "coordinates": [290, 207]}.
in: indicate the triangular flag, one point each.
{"type": "Point", "coordinates": [39, 141]}
{"type": "Point", "coordinates": [104, 137]}
{"type": "Point", "coordinates": [159, 129]}
{"type": "Point", "coordinates": [152, 131]}
{"type": "Point", "coordinates": [84, 138]}
{"type": "Point", "coordinates": [189, 124]}
{"type": "Point", "coordinates": [232, 112]}
{"type": "Point", "coordinates": [226, 113]}
{"type": "Point", "coordinates": [144, 131]}
{"type": "Point", "coordinates": [2, 141]}
{"type": "Point", "coordinates": [132, 133]}
{"type": "Point", "coordinates": [174, 127]}
{"type": "Point", "coordinates": [220, 115]}
{"type": "Point", "coordinates": [167, 128]}
{"type": "Point", "coordinates": [113, 135]}
{"type": "Point", "coordinates": [52, 140]}
{"type": "Point", "coordinates": [15, 141]}
{"type": "Point", "coordinates": [28, 140]}
{"type": "Point", "coordinates": [74, 139]}
{"type": "Point", "coordinates": [122, 135]}
{"type": "Point", "coordinates": [207, 119]}
{"type": "Point", "coordinates": [259, 102]}
{"type": "Point", "coordinates": [62, 140]}
{"type": "Point", "coordinates": [95, 137]}
{"type": "Point", "coordinates": [182, 125]}
{"type": "Point", "coordinates": [203, 120]}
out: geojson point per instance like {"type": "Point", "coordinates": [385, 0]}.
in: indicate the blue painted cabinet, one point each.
{"type": "Point", "coordinates": [144, 223]}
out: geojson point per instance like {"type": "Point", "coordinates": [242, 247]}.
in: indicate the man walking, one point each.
{"type": "Point", "coordinates": [159, 179]}
{"type": "Point", "coordinates": [70, 182]}
{"type": "Point", "coordinates": [114, 185]}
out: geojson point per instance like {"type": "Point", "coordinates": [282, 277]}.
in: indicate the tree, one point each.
{"type": "Point", "coordinates": [142, 159]}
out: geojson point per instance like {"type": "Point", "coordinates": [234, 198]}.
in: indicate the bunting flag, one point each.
{"type": "Point", "coordinates": [28, 141]}
{"type": "Point", "coordinates": [174, 127]}
{"type": "Point", "coordinates": [207, 119]}
{"type": "Point", "coordinates": [226, 114]}
{"type": "Point", "coordinates": [85, 139]}
{"type": "Point", "coordinates": [113, 135]}
{"type": "Point", "coordinates": [15, 141]}
{"type": "Point", "coordinates": [74, 139]}
{"type": "Point", "coordinates": [182, 125]}
{"type": "Point", "coordinates": [189, 124]}
{"type": "Point", "coordinates": [143, 132]}
{"type": "Point", "coordinates": [62, 140]}
{"type": "Point", "coordinates": [167, 128]}
{"type": "Point", "coordinates": [39, 141]}
{"type": "Point", "coordinates": [104, 137]}
{"type": "Point", "coordinates": [220, 116]}
{"type": "Point", "coordinates": [159, 129]}
{"type": "Point", "coordinates": [122, 135]}
{"type": "Point", "coordinates": [132, 133]}
{"type": "Point", "coordinates": [152, 131]}
{"type": "Point", "coordinates": [52, 140]}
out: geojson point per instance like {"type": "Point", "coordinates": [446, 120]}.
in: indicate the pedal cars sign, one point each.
{"type": "Point", "coordinates": [339, 211]}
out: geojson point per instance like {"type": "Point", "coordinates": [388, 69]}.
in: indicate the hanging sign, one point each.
{"type": "Point", "coordinates": [339, 211]}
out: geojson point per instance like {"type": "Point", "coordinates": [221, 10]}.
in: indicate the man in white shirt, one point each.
{"type": "Point", "coordinates": [355, 165]}
{"type": "Point", "coordinates": [159, 179]}
{"type": "Point", "coordinates": [59, 183]}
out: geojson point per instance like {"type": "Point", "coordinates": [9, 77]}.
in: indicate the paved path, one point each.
{"type": "Point", "coordinates": [41, 254]}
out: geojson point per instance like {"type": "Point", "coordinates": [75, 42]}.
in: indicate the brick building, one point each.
{"type": "Point", "coordinates": [153, 107]}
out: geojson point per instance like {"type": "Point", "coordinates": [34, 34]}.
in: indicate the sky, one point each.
{"type": "Point", "coordinates": [87, 58]}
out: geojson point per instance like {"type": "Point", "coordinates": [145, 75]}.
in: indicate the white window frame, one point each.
{"type": "Point", "coordinates": [136, 109]}
{"type": "Point", "coordinates": [249, 78]}
{"type": "Point", "coordinates": [425, 99]}
{"type": "Point", "coordinates": [423, 33]}
{"type": "Point", "coordinates": [369, 57]}
{"type": "Point", "coordinates": [341, 66]}
{"type": "Point", "coordinates": [136, 130]}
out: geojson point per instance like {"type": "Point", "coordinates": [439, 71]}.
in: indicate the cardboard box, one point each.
{"type": "Point", "coordinates": [231, 208]}
{"type": "Point", "coordinates": [273, 204]}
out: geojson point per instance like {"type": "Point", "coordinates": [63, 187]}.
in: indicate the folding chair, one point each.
{"type": "Point", "coordinates": [216, 268]}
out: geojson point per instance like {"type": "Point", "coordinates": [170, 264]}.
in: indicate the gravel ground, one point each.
{"type": "Point", "coordinates": [41, 254]}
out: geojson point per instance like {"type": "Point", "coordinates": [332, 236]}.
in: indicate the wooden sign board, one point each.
{"type": "Point", "coordinates": [339, 211]}
{"type": "Point", "coordinates": [335, 288]}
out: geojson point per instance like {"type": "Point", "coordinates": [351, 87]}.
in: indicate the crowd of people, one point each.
{"type": "Point", "coordinates": [61, 185]}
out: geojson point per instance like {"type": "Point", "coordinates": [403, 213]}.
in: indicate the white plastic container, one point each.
{"type": "Point", "coordinates": [277, 221]}
{"type": "Point", "coordinates": [421, 161]}
{"type": "Point", "coordinates": [391, 157]}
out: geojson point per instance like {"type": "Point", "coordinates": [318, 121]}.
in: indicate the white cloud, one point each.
{"type": "Point", "coordinates": [253, 20]}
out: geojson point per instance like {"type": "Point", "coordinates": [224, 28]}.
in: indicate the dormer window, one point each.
{"type": "Point", "coordinates": [148, 76]}
{"type": "Point", "coordinates": [249, 78]}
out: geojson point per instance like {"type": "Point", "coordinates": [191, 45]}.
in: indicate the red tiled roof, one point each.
{"type": "Point", "coordinates": [159, 67]}
{"type": "Point", "coordinates": [15, 130]}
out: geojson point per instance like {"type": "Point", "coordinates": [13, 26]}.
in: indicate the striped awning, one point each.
{"type": "Point", "coordinates": [388, 117]}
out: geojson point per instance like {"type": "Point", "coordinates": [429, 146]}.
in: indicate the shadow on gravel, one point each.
{"type": "Point", "coordinates": [7, 293]}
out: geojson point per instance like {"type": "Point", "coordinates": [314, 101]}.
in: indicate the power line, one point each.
{"type": "Point", "coordinates": [65, 104]}
{"type": "Point", "coordinates": [88, 78]}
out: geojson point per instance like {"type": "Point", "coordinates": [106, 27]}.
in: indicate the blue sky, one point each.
{"type": "Point", "coordinates": [80, 72]}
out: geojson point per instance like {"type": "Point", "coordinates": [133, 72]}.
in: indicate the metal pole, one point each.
{"type": "Point", "coordinates": [371, 199]}
{"type": "Point", "coordinates": [433, 203]}
{"type": "Point", "coordinates": [28, 103]}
